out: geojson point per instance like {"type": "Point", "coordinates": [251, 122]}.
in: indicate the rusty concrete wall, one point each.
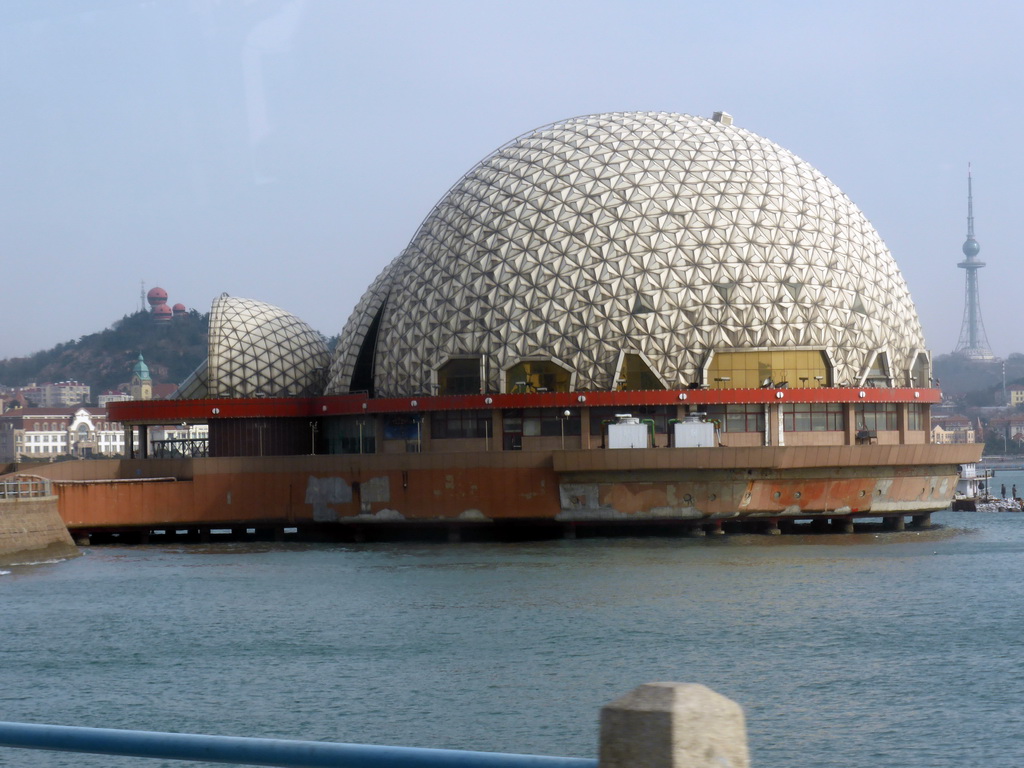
{"type": "Point", "coordinates": [290, 490]}
{"type": "Point", "coordinates": [31, 529]}
{"type": "Point", "coordinates": [778, 457]}
{"type": "Point", "coordinates": [302, 489]}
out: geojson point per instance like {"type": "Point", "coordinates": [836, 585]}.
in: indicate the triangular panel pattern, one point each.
{"type": "Point", "coordinates": [259, 350]}
{"type": "Point", "coordinates": [669, 234]}
{"type": "Point", "coordinates": [343, 364]}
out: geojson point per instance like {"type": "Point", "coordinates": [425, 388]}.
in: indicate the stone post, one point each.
{"type": "Point", "coordinates": [673, 725]}
{"type": "Point", "coordinates": [902, 417]}
{"type": "Point", "coordinates": [497, 430]}
{"type": "Point", "coordinates": [585, 428]}
{"type": "Point", "coordinates": [850, 428]}
{"type": "Point", "coordinates": [424, 446]}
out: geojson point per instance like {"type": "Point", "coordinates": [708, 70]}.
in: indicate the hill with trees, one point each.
{"type": "Point", "coordinates": [104, 360]}
{"type": "Point", "coordinates": [976, 383]}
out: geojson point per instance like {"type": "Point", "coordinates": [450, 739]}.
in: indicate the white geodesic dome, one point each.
{"type": "Point", "coordinates": [661, 234]}
{"type": "Point", "coordinates": [258, 350]}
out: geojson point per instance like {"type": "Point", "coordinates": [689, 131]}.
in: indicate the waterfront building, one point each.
{"type": "Point", "coordinates": [952, 429]}
{"type": "Point", "coordinates": [615, 320]}
{"type": "Point", "coordinates": [1016, 393]}
{"type": "Point", "coordinates": [49, 433]}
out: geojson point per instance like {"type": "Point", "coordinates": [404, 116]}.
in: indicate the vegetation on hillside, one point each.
{"type": "Point", "coordinates": [104, 360]}
{"type": "Point", "coordinates": [976, 383]}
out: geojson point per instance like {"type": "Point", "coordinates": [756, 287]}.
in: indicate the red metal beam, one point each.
{"type": "Point", "coordinates": [177, 411]}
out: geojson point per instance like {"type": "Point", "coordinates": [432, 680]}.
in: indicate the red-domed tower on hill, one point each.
{"type": "Point", "coordinates": [156, 297]}
{"type": "Point", "coordinates": [179, 309]}
{"type": "Point", "coordinates": [162, 313]}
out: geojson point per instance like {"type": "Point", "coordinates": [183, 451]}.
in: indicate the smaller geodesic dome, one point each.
{"type": "Point", "coordinates": [258, 350]}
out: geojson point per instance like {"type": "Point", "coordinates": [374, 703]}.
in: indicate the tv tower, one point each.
{"type": "Point", "coordinates": [973, 342]}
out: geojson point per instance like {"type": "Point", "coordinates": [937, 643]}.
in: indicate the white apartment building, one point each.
{"type": "Point", "coordinates": [46, 433]}
{"type": "Point", "coordinates": [112, 397]}
{"type": "Point", "coordinates": [64, 394]}
{"type": "Point", "coordinates": [58, 394]}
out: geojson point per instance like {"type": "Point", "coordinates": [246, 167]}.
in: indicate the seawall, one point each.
{"type": "Point", "coordinates": [32, 529]}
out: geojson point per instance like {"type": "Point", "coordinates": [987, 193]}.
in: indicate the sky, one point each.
{"type": "Point", "coordinates": [287, 150]}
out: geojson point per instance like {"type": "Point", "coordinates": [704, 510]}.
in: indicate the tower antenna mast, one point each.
{"type": "Point", "coordinates": [973, 343]}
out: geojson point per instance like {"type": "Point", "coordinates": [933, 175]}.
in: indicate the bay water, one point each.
{"type": "Point", "coordinates": [871, 649]}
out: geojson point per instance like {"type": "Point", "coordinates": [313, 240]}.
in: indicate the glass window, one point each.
{"type": "Point", "coordinates": [636, 375]}
{"type": "Point", "coordinates": [878, 376]}
{"type": "Point", "coordinates": [915, 417]}
{"type": "Point", "coordinates": [513, 421]}
{"type": "Point", "coordinates": [512, 429]}
{"type": "Point", "coordinates": [738, 417]}
{"type": "Point", "coordinates": [875, 417]}
{"type": "Point", "coordinates": [348, 434]}
{"type": "Point", "coordinates": [601, 416]}
{"type": "Point", "coordinates": [459, 377]}
{"type": "Point", "coordinates": [813, 417]}
{"type": "Point", "coordinates": [753, 369]}
{"type": "Point", "coordinates": [537, 376]}
{"type": "Point", "coordinates": [531, 422]}
{"type": "Point", "coordinates": [459, 424]}
{"type": "Point", "coordinates": [401, 427]}
{"type": "Point", "coordinates": [550, 422]}
{"type": "Point", "coordinates": [921, 372]}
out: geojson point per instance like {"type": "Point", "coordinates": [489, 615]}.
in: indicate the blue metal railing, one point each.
{"type": "Point", "coordinates": [249, 751]}
{"type": "Point", "coordinates": [25, 487]}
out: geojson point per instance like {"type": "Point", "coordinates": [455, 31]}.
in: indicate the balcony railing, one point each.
{"type": "Point", "coordinates": [25, 487]}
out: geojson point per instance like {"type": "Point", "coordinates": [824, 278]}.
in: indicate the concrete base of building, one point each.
{"type": "Point", "coordinates": [506, 495]}
{"type": "Point", "coordinates": [446, 532]}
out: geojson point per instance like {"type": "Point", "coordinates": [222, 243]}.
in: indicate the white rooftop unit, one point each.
{"type": "Point", "coordinates": [628, 432]}
{"type": "Point", "coordinates": [693, 432]}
